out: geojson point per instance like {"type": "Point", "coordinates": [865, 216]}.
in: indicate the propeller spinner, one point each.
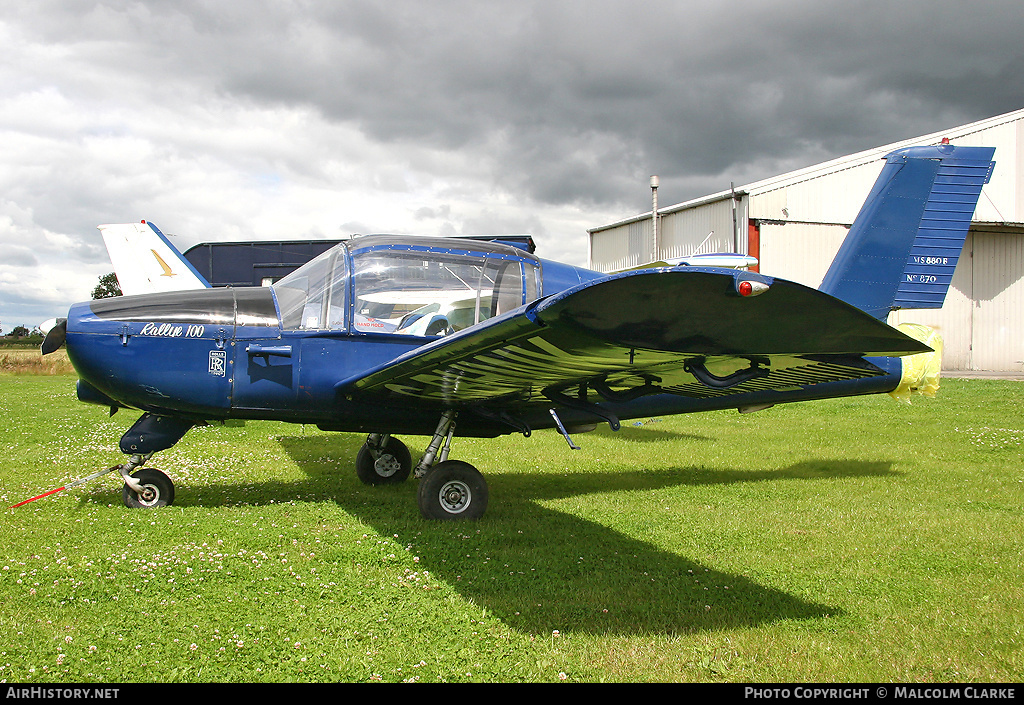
{"type": "Point", "coordinates": [56, 332]}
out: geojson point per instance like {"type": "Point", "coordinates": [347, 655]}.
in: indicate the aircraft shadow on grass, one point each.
{"type": "Point", "coordinates": [602, 581]}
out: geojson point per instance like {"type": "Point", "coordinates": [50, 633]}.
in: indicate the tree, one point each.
{"type": "Point", "coordinates": [107, 287]}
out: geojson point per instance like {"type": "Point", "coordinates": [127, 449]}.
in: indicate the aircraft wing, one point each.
{"type": "Point", "coordinates": [683, 331]}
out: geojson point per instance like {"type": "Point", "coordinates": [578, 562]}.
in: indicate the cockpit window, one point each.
{"type": "Point", "coordinates": [428, 291]}
{"type": "Point", "coordinates": [409, 286]}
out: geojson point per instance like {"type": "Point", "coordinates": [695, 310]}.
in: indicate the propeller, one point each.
{"type": "Point", "coordinates": [56, 331]}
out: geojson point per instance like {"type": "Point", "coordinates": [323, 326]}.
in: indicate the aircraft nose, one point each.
{"type": "Point", "coordinates": [75, 333]}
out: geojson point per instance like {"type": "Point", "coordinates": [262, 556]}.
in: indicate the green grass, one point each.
{"type": "Point", "coordinates": [846, 540]}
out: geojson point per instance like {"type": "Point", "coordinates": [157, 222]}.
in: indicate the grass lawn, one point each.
{"type": "Point", "coordinates": [857, 539]}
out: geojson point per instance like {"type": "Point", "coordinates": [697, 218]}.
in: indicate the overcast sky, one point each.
{"type": "Point", "coordinates": [254, 119]}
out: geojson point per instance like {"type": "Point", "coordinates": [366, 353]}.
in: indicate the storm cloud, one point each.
{"type": "Point", "coordinates": [232, 121]}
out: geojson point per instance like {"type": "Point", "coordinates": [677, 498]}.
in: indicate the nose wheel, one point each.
{"type": "Point", "coordinates": [154, 489]}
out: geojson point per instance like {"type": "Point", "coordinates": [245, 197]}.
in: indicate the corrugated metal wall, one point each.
{"type": "Point", "coordinates": [684, 232]}
{"type": "Point", "coordinates": [981, 321]}
{"type": "Point", "coordinates": [620, 247]}
{"type": "Point", "coordinates": [800, 252]}
{"type": "Point", "coordinates": [954, 319]}
{"type": "Point", "coordinates": [834, 198]}
{"type": "Point", "coordinates": [698, 231]}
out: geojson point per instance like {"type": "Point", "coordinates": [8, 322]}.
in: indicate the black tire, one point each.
{"type": "Point", "coordinates": [453, 490]}
{"type": "Point", "coordinates": [391, 466]}
{"type": "Point", "coordinates": [159, 490]}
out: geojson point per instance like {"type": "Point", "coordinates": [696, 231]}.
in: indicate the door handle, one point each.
{"type": "Point", "coordinates": [269, 350]}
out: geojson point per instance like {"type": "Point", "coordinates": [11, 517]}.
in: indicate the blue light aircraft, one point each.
{"type": "Point", "coordinates": [389, 335]}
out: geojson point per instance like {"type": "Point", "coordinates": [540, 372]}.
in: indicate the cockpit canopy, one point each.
{"type": "Point", "coordinates": [405, 285]}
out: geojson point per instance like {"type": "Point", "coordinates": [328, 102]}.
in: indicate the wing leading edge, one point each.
{"type": "Point", "coordinates": [683, 331]}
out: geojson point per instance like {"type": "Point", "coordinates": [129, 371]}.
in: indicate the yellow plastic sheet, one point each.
{"type": "Point", "coordinates": [921, 372]}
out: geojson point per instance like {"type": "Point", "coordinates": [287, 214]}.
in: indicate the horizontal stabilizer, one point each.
{"type": "Point", "coordinates": [729, 260]}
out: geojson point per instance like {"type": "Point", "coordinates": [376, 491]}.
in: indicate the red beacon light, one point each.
{"type": "Point", "coordinates": [748, 287]}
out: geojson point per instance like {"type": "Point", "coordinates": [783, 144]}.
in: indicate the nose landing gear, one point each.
{"type": "Point", "coordinates": [147, 488]}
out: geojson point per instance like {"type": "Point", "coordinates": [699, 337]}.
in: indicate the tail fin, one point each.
{"type": "Point", "coordinates": [903, 247]}
{"type": "Point", "coordinates": [146, 262]}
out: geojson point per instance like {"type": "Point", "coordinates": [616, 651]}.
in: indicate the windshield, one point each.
{"type": "Point", "coordinates": [313, 296]}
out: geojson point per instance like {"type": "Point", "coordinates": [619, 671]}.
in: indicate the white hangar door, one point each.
{"type": "Point", "coordinates": [997, 340]}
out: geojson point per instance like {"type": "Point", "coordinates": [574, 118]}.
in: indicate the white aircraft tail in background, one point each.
{"type": "Point", "coordinates": [146, 262]}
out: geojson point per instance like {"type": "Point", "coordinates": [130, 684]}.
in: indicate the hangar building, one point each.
{"type": "Point", "coordinates": [794, 224]}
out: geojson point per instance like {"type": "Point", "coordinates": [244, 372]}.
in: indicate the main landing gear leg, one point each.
{"type": "Point", "coordinates": [443, 434]}
{"type": "Point", "coordinates": [449, 489]}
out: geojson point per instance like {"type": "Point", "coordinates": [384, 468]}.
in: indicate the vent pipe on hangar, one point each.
{"type": "Point", "coordinates": [654, 219]}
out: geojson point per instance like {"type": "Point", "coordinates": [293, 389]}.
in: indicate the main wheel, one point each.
{"type": "Point", "coordinates": [392, 464]}
{"type": "Point", "coordinates": [157, 490]}
{"type": "Point", "coordinates": [453, 490]}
